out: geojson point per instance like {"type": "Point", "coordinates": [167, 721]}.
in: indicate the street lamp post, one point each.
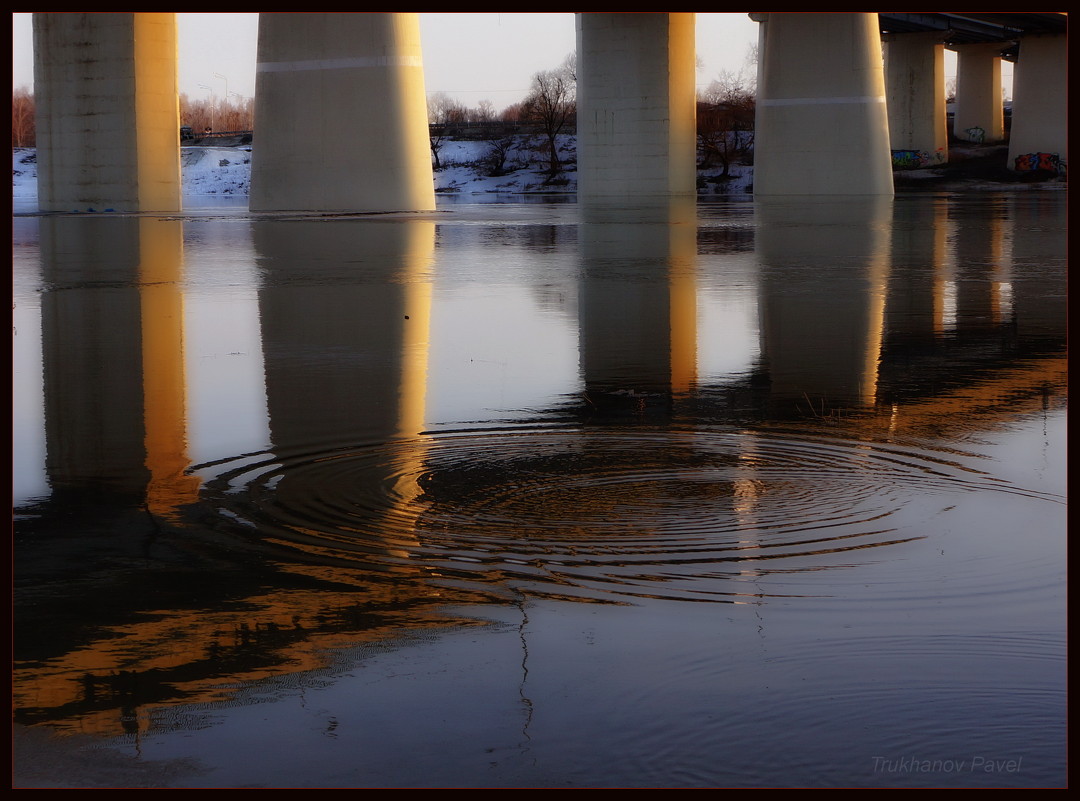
{"type": "Point", "coordinates": [226, 95]}
{"type": "Point", "coordinates": [213, 122]}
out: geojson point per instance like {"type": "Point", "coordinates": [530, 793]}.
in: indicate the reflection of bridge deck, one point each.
{"type": "Point", "coordinates": [1004, 394]}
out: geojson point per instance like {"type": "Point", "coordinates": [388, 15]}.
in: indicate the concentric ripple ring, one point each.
{"type": "Point", "coordinates": [692, 514]}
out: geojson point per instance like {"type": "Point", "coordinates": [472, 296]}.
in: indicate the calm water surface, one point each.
{"type": "Point", "coordinates": [536, 494]}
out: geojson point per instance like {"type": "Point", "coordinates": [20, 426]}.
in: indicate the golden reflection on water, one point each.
{"type": "Point", "coordinates": [161, 311]}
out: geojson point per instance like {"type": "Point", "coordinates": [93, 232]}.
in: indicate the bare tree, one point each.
{"type": "Point", "coordinates": [484, 112]}
{"type": "Point", "coordinates": [445, 115]}
{"type": "Point", "coordinates": [569, 66]}
{"type": "Point", "coordinates": [501, 139]}
{"type": "Point", "coordinates": [499, 136]}
{"type": "Point", "coordinates": [950, 90]}
{"type": "Point", "coordinates": [22, 118]}
{"type": "Point", "coordinates": [725, 120]}
{"type": "Point", "coordinates": [552, 104]}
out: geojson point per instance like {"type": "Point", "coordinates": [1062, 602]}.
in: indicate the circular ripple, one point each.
{"type": "Point", "coordinates": [587, 514]}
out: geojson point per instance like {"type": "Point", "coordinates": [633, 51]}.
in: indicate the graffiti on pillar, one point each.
{"type": "Point", "coordinates": [976, 134]}
{"type": "Point", "coordinates": [1050, 162]}
{"type": "Point", "coordinates": [914, 159]}
{"type": "Point", "coordinates": [909, 159]}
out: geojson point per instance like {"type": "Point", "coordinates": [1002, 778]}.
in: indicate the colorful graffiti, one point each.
{"type": "Point", "coordinates": [1050, 162]}
{"type": "Point", "coordinates": [909, 159]}
{"type": "Point", "coordinates": [914, 159]}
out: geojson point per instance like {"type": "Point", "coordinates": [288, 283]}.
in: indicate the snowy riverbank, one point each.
{"type": "Point", "coordinates": [224, 171]}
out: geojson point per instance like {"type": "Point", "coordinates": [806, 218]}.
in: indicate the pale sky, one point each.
{"type": "Point", "coordinates": [471, 57]}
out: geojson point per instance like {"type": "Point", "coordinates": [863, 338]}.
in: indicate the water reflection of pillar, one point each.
{"type": "Point", "coordinates": [91, 350]}
{"type": "Point", "coordinates": [920, 272]}
{"type": "Point", "coordinates": [1038, 266]}
{"type": "Point", "coordinates": [747, 490]}
{"type": "Point", "coordinates": [345, 310]}
{"type": "Point", "coordinates": [638, 306]}
{"type": "Point", "coordinates": [1001, 306]}
{"type": "Point", "coordinates": [114, 359]}
{"type": "Point", "coordinates": [415, 346]}
{"type": "Point", "coordinates": [683, 305]}
{"type": "Point", "coordinates": [825, 268]}
{"type": "Point", "coordinates": [164, 385]}
{"type": "Point", "coordinates": [978, 242]}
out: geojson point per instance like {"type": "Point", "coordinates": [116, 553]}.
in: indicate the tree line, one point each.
{"type": "Point", "coordinates": [23, 128]}
{"type": "Point", "coordinates": [725, 119]}
{"type": "Point", "coordinates": [217, 114]}
{"type": "Point", "coordinates": [199, 115]}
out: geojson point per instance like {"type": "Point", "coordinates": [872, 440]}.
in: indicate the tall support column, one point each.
{"type": "Point", "coordinates": [341, 113]}
{"type": "Point", "coordinates": [636, 105]}
{"type": "Point", "coordinates": [979, 108]}
{"type": "Point", "coordinates": [108, 118]}
{"type": "Point", "coordinates": [821, 126]}
{"type": "Point", "coordinates": [915, 86]}
{"type": "Point", "coordinates": [1040, 100]}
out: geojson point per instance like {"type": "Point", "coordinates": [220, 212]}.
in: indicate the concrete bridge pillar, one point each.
{"type": "Point", "coordinates": [108, 119]}
{"type": "Point", "coordinates": [636, 105]}
{"type": "Point", "coordinates": [821, 123]}
{"type": "Point", "coordinates": [915, 86]}
{"type": "Point", "coordinates": [1040, 100]}
{"type": "Point", "coordinates": [341, 114]}
{"type": "Point", "coordinates": [979, 103]}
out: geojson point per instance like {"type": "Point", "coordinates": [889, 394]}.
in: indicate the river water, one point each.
{"type": "Point", "coordinates": [536, 494]}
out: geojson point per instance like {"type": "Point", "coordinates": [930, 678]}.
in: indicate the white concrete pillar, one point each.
{"type": "Point", "coordinates": [1040, 100]}
{"type": "Point", "coordinates": [636, 105]}
{"type": "Point", "coordinates": [915, 88]}
{"type": "Point", "coordinates": [821, 125]}
{"type": "Point", "coordinates": [108, 115]}
{"type": "Point", "coordinates": [340, 114]}
{"type": "Point", "coordinates": [980, 115]}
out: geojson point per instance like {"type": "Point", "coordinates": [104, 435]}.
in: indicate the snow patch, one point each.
{"type": "Point", "coordinates": [466, 169]}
